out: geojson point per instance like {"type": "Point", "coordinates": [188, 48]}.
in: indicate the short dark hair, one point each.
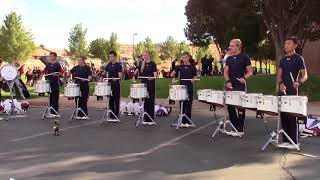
{"type": "Point", "coordinates": [294, 39]}
{"type": "Point", "coordinates": [114, 53]}
{"type": "Point", "coordinates": [83, 57]}
{"type": "Point", "coordinates": [54, 54]}
{"type": "Point", "coordinates": [1, 60]}
{"type": "Point", "coordinates": [185, 53]}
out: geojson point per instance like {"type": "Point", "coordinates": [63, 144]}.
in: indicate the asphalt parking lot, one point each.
{"type": "Point", "coordinates": [88, 150]}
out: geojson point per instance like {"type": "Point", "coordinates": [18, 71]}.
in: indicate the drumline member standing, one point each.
{"type": "Point", "coordinates": [148, 69]}
{"type": "Point", "coordinates": [237, 71]}
{"type": "Point", "coordinates": [83, 71]}
{"type": "Point", "coordinates": [186, 71]}
{"type": "Point", "coordinates": [291, 74]}
{"type": "Point", "coordinates": [114, 70]}
{"type": "Point", "coordinates": [53, 71]}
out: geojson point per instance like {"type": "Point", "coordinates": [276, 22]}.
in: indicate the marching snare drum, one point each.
{"type": "Point", "coordinates": [102, 89]}
{"type": "Point", "coordinates": [42, 87]}
{"type": "Point", "coordinates": [9, 72]}
{"type": "Point", "coordinates": [203, 94]}
{"type": "Point", "coordinates": [250, 100]}
{"type": "Point", "coordinates": [216, 97]}
{"type": "Point", "coordinates": [72, 90]}
{"type": "Point", "coordinates": [296, 105]}
{"type": "Point", "coordinates": [138, 91]}
{"type": "Point", "coordinates": [234, 98]}
{"type": "Point", "coordinates": [268, 104]}
{"type": "Point", "coordinates": [178, 92]}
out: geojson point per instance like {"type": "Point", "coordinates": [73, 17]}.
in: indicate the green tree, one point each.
{"type": "Point", "coordinates": [202, 52]}
{"type": "Point", "coordinates": [16, 41]}
{"type": "Point", "coordinates": [169, 48]}
{"type": "Point", "coordinates": [98, 46]}
{"type": "Point", "coordinates": [147, 45]}
{"type": "Point", "coordinates": [112, 45]}
{"type": "Point", "coordinates": [77, 41]}
{"type": "Point", "coordinates": [182, 47]}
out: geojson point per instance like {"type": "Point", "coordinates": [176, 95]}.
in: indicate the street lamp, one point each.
{"type": "Point", "coordinates": [134, 34]}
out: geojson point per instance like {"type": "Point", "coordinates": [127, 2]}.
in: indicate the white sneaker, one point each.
{"type": "Point", "coordinates": [113, 120]}
{"type": "Point", "coordinates": [151, 123]}
{"type": "Point", "coordinates": [182, 125]}
{"type": "Point", "coordinates": [144, 123]}
{"type": "Point", "coordinates": [83, 117]}
{"type": "Point", "coordinates": [235, 134]}
{"type": "Point", "coordinates": [52, 115]}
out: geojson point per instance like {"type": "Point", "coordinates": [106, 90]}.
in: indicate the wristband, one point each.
{"type": "Point", "coordinates": [228, 81]}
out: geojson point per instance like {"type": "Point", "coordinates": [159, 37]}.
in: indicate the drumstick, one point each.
{"type": "Point", "coordinates": [144, 77]}
{"type": "Point", "coordinates": [110, 78]}
{"type": "Point", "coordinates": [51, 74]}
{"type": "Point", "coordinates": [82, 78]}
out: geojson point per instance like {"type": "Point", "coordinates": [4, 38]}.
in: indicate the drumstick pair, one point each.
{"type": "Point", "coordinates": [187, 80]}
{"type": "Point", "coordinates": [82, 79]}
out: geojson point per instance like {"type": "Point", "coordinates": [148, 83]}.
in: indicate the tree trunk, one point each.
{"type": "Point", "coordinates": [260, 68]}
{"type": "Point", "coordinates": [279, 55]}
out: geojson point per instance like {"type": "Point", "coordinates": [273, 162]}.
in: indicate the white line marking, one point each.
{"type": "Point", "coordinates": [49, 132]}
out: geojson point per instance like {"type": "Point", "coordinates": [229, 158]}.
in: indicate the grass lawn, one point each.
{"type": "Point", "coordinates": [261, 84]}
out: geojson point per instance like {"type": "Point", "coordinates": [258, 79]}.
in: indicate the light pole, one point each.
{"type": "Point", "coordinates": [134, 34]}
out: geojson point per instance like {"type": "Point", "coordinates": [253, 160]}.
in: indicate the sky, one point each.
{"type": "Point", "coordinates": [50, 21]}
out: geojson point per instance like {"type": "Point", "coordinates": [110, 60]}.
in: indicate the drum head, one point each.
{"type": "Point", "coordinates": [8, 72]}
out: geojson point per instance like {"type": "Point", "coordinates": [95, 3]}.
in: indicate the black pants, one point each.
{"type": "Point", "coordinates": [149, 102]}
{"type": "Point", "coordinates": [114, 101]}
{"type": "Point", "coordinates": [54, 101]}
{"type": "Point", "coordinates": [83, 100]}
{"type": "Point", "coordinates": [187, 108]}
{"type": "Point", "coordinates": [290, 126]}
{"type": "Point", "coordinates": [237, 117]}
{"type": "Point", "coordinates": [289, 122]}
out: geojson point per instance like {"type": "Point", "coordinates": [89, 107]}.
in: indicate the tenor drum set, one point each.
{"type": "Point", "coordinates": [266, 104]}
{"type": "Point", "coordinates": [10, 74]}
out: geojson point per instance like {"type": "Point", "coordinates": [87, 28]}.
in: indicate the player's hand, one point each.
{"type": "Point", "coordinates": [296, 84]}
{"type": "Point", "coordinates": [173, 81]}
{"type": "Point", "coordinates": [1, 79]}
{"type": "Point", "coordinates": [229, 85]}
{"type": "Point", "coordinates": [133, 79]}
{"type": "Point", "coordinates": [113, 79]}
{"type": "Point", "coordinates": [54, 74]}
{"type": "Point", "coordinates": [193, 80]}
{"type": "Point", "coordinates": [242, 80]}
{"type": "Point", "coordinates": [282, 88]}
{"type": "Point", "coordinates": [150, 78]}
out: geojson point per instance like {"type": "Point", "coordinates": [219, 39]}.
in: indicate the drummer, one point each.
{"type": "Point", "coordinates": [148, 69]}
{"type": "Point", "coordinates": [291, 74]}
{"type": "Point", "coordinates": [114, 70]}
{"type": "Point", "coordinates": [237, 71]}
{"type": "Point", "coordinates": [84, 72]}
{"type": "Point", "coordinates": [53, 71]}
{"type": "Point", "coordinates": [186, 71]}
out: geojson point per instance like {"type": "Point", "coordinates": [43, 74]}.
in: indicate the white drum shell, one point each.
{"type": "Point", "coordinates": [42, 87]}
{"type": "Point", "coordinates": [216, 97]}
{"type": "Point", "coordinates": [249, 100]}
{"type": "Point", "coordinates": [178, 92]}
{"type": "Point", "coordinates": [234, 98]}
{"type": "Point", "coordinates": [268, 104]}
{"type": "Point", "coordinates": [294, 104]}
{"type": "Point", "coordinates": [102, 89]}
{"type": "Point", "coordinates": [138, 91]}
{"type": "Point", "coordinates": [203, 94]}
{"type": "Point", "coordinates": [72, 90]}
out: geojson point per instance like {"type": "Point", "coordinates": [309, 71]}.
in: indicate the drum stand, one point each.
{"type": "Point", "coordinates": [178, 122]}
{"type": "Point", "coordinates": [75, 113]}
{"type": "Point", "coordinates": [49, 109]}
{"type": "Point", "coordinates": [223, 124]}
{"type": "Point", "coordinates": [274, 135]}
{"type": "Point", "coordinates": [106, 114]}
{"type": "Point", "coordinates": [13, 113]}
{"type": "Point", "coordinates": [142, 115]}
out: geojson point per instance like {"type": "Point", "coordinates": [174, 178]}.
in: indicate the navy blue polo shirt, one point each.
{"type": "Point", "coordinates": [149, 69]}
{"type": "Point", "coordinates": [237, 69]}
{"type": "Point", "coordinates": [81, 72]}
{"type": "Point", "coordinates": [291, 64]}
{"type": "Point", "coordinates": [113, 70]}
{"type": "Point", "coordinates": [186, 72]}
{"type": "Point", "coordinates": [54, 80]}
